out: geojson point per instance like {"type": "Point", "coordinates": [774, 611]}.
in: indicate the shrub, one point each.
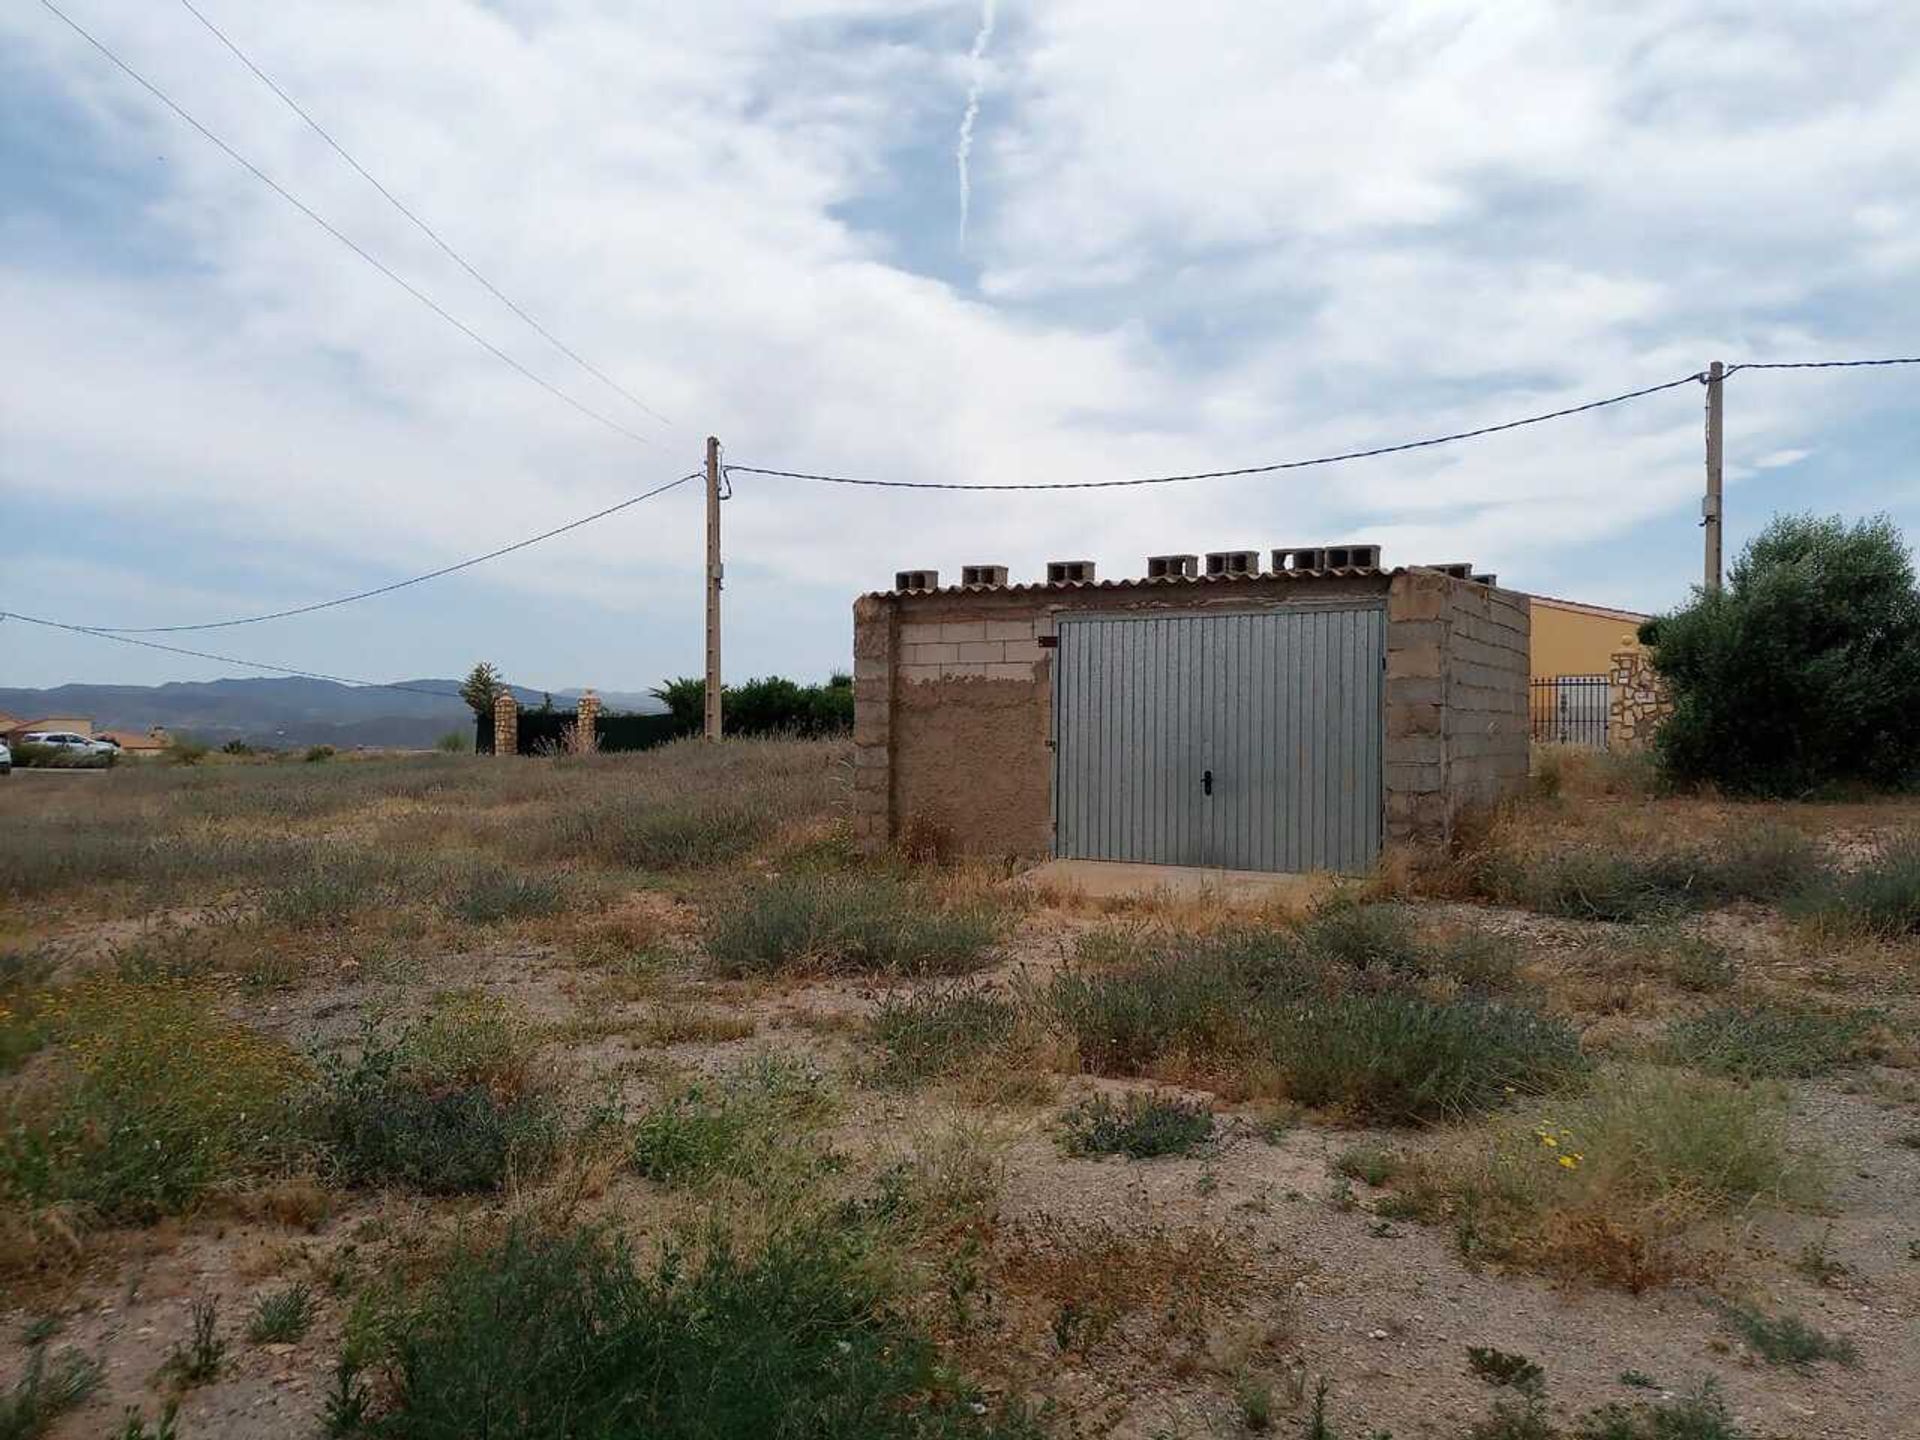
{"type": "Point", "coordinates": [332, 887]}
{"type": "Point", "coordinates": [551, 1334]}
{"type": "Point", "coordinates": [282, 1316]}
{"type": "Point", "coordinates": [181, 751]}
{"type": "Point", "coordinates": [236, 747]}
{"type": "Point", "coordinates": [936, 1033]}
{"type": "Point", "coordinates": [1254, 1008]}
{"type": "Point", "coordinates": [386, 1118]}
{"type": "Point", "coordinates": [454, 742]}
{"type": "Point", "coordinates": [1700, 1414]}
{"type": "Point", "coordinates": [1880, 898]}
{"type": "Point", "coordinates": [1606, 1186]}
{"type": "Point", "coordinates": [746, 1123]}
{"type": "Point", "coordinates": [316, 754]}
{"type": "Point", "coordinates": [847, 924]}
{"type": "Point", "coordinates": [47, 1390]}
{"type": "Point", "coordinates": [1400, 1058]}
{"type": "Point", "coordinates": [1189, 1000]}
{"type": "Point", "coordinates": [1770, 1043]}
{"type": "Point", "coordinates": [1804, 671]}
{"type": "Point", "coordinates": [770, 706]}
{"type": "Point", "coordinates": [1624, 880]}
{"type": "Point", "coordinates": [696, 832]}
{"type": "Point", "coordinates": [1141, 1127]}
{"type": "Point", "coordinates": [1373, 1163]}
{"type": "Point", "coordinates": [1787, 1339]}
{"type": "Point", "coordinates": [154, 1096]}
{"type": "Point", "coordinates": [492, 893]}
{"type": "Point", "coordinates": [1387, 938]}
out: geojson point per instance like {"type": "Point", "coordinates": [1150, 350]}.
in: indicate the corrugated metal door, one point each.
{"type": "Point", "coordinates": [1246, 741]}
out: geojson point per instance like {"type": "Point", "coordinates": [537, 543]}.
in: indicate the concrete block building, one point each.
{"type": "Point", "coordinates": [1290, 719]}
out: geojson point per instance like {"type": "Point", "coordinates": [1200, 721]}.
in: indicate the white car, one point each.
{"type": "Point", "coordinates": [67, 740]}
{"type": "Point", "coordinates": [6, 759]}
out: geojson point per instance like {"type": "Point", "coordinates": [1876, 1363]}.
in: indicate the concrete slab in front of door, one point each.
{"type": "Point", "coordinates": [1120, 880]}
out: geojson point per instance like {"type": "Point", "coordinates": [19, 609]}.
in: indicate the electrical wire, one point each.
{"type": "Point", "coordinates": [224, 659]}
{"type": "Point", "coordinates": [418, 294]}
{"type": "Point", "coordinates": [420, 224]}
{"type": "Point", "coordinates": [1822, 364]}
{"type": "Point", "coordinates": [397, 584]}
{"type": "Point", "coordinates": [1696, 377]}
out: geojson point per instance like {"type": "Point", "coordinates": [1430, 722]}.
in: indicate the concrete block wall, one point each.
{"type": "Point", "coordinates": [1456, 695]}
{"type": "Point", "coordinates": [874, 626]}
{"type": "Point", "coordinates": [953, 700]}
{"type": "Point", "coordinates": [971, 649]}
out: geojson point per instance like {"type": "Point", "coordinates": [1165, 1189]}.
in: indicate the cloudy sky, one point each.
{"type": "Point", "coordinates": [1196, 236]}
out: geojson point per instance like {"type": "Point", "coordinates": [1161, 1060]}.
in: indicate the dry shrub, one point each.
{"type": "Point", "coordinates": [1610, 1186]}
{"type": "Point", "coordinates": [924, 840]}
{"type": "Point", "coordinates": [1576, 772]}
{"type": "Point", "coordinates": [1092, 1284]}
{"type": "Point", "coordinates": [683, 1024]}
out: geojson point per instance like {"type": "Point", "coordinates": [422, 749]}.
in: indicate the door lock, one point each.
{"type": "Point", "coordinates": [1206, 782]}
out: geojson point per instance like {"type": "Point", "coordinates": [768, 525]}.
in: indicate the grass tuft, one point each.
{"type": "Point", "coordinates": [281, 1317]}
{"type": "Point", "coordinates": [491, 894]}
{"type": "Point", "coordinates": [551, 1333]}
{"type": "Point", "coordinates": [46, 1390]}
{"type": "Point", "coordinates": [1771, 1043]}
{"type": "Point", "coordinates": [747, 1123]}
{"type": "Point", "coordinates": [1700, 1414]}
{"type": "Point", "coordinates": [847, 924]}
{"type": "Point", "coordinates": [938, 1033]}
{"type": "Point", "coordinates": [1141, 1127]}
{"type": "Point", "coordinates": [1879, 899]}
{"type": "Point", "coordinates": [1787, 1339]}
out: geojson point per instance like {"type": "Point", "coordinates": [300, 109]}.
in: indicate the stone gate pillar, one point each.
{"type": "Point", "coordinates": [586, 738]}
{"type": "Point", "coordinates": [506, 725]}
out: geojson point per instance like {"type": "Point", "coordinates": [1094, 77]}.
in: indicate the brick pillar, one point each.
{"type": "Point", "coordinates": [873, 647]}
{"type": "Point", "coordinates": [506, 724]}
{"type": "Point", "coordinates": [585, 739]}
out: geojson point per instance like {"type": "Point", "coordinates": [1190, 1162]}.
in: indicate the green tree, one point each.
{"type": "Point", "coordinates": [1804, 671]}
{"type": "Point", "coordinates": [481, 688]}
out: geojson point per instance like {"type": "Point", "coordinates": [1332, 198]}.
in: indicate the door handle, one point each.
{"type": "Point", "coordinates": [1206, 782]}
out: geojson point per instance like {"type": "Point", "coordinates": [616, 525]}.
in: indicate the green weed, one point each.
{"type": "Point", "coordinates": [48, 1389]}
{"type": "Point", "coordinates": [1141, 1127]}
{"type": "Point", "coordinates": [152, 1097]}
{"type": "Point", "coordinates": [1770, 1042]}
{"type": "Point", "coordinates": [1373, 1163]}
{"type": "Point", "coordinates": [847, 924]}
{"type": "Point", "coordinates": [282, 1316]}
{"type": "Point", "coordinates": [745, 1124]}
{"type": "Point", "coordinates": [493, 893]}
{"type": "Point", "coordinates": [546, 1334]}
{"type": "Point", "coordinates": [199, 1360]}
{"type": "Point", "coordinates": [1878, 899]}
{"type": "Point", "coordinates": [1700, 1414]}
{"type": "Point", "coordinates": [384, 1121]}
{"type": "Point", "coordinates": [1787, 1339]}
{"type": "Point", "coordinates": [937, 1033]}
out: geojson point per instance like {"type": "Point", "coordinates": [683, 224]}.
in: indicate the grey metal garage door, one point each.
{"type": "Point", "coordinates": [1248, 741]}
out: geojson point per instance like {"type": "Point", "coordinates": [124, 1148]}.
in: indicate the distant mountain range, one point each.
{"type": "Point", "coordinates": [287, 712]}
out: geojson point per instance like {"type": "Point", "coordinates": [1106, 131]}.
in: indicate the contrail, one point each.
{"type": "Point", "coordinates": [976, 65]}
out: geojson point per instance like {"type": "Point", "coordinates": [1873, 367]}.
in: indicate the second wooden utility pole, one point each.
{"type": "Point", "coordinates": [713, 589]}
{"type": "Point", "coordinates": [1710, 509]}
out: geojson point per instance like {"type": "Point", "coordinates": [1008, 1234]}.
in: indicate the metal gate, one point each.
{"type": "Point", "coordinates": [1244, 741]}
{"type": "Point", "coordinates": [1571, 710]}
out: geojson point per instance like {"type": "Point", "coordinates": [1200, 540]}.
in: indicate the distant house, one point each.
{"type": "Point", "coordinates": [135, 745]}
{"type": "Point", "coordinates": [1572, 638]}
{"type": "Point", "coordinates": [73, 724]}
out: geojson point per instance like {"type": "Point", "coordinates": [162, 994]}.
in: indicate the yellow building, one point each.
{"type": "Point", "coordinates": [1570, 638]}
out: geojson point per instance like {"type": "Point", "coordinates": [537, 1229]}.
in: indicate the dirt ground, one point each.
{"type": "Point", "coordinates": [1320, 1284]}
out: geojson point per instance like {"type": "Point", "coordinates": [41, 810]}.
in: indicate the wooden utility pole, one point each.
{"type": "Point", "coordinates": [1710, 509]}
{"type": "Point", "coordinates": [713, 589]}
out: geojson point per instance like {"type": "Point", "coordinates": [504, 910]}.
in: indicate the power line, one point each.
{"type": "Point", "coordinates": [1405, 445]}
{"type": "Point", "coordinates": [420, 224]}
{"type": "Point", "coordinates": [427, 300]}
{"type": "Point", "coordinates": [398, 584]}
{"type": "Point", "coordinates": [223, 659]}
{"type": "Point", "coordinates": [1822, 364]}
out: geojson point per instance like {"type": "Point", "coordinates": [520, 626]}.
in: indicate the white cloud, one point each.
{"type": "Point", "coordinates": [1219, 235]}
